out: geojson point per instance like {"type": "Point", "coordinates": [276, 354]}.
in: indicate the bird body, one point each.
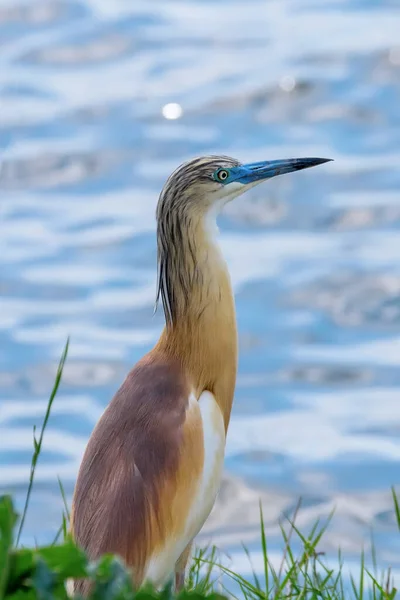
{"type": "Point", "coordinates": [152, 467]}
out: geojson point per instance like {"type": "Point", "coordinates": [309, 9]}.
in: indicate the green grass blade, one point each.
{"type": "Point", "coordinates": [249, 587]}
{"type": "Point", "coordinates": [38, 443]}
{"type": "Point", "coordinates": [396, 507]}
{"type": "Point", "coordinates": [287, 539]}
{"type": "Point", "coordinates": [253, 571]}
{"type": "Point", "coordinates": [264, 547]}
{"type": "Point", "coordinates": [362, 573]}
{"type": "Point", "coordinates": [64, 498]}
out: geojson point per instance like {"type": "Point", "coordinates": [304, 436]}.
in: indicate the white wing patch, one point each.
{"type": "Point", "coordinates": [161, 567]}
{"type": "Point", "coordinates": [214, 451]}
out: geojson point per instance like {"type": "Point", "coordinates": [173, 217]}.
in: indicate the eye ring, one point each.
{"type": "Point", "coordinates": [222, 175]}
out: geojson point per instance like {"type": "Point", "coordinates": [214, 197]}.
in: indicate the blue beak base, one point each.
{"type": "Point", "coordinates": [271, 168]}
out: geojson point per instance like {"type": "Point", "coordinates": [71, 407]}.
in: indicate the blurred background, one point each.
{"type": "Point", "coordinates": [99, 101]}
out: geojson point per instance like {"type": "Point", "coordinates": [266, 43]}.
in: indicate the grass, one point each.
{"type": "Point", "coordinates": [41, 573]}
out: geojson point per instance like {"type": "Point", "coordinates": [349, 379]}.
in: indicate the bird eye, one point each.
{"type": "Point", "coordinates": [222, 175]}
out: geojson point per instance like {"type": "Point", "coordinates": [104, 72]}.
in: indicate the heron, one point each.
{"type": "Point", "coordinates": [152, 467]}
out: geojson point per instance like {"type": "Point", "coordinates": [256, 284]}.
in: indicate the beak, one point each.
{"type": "Point", "coordinates": [271, 168]}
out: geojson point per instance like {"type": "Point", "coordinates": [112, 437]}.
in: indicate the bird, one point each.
{"type": "Point", "coordinates": [153, 464]}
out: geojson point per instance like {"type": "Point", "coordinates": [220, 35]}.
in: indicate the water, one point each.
{"type": "Point", "coordinates": [314, 256]}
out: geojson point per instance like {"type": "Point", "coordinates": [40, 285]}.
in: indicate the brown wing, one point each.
{"type": "Point", "coordinates": [132, 467]}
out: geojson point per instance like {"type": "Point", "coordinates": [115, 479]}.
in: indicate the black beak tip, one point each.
{"type": "Point", "coordinates": [305, 163]}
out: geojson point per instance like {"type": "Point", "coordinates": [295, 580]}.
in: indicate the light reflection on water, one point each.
{"type": "Point", "coordinates": [100, 101]}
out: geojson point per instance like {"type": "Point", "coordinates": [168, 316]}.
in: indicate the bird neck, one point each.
{"type": "Point", "coordinates": [200, 312]}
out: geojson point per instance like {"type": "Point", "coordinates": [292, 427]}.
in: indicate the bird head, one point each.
{"type": "Point", "coordinates": [210, 182]}
{"type": "Point", "coordinates": [192, 197]}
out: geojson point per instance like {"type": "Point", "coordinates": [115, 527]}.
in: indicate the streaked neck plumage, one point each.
{"type": "Point", "coordinates": [195, 289]}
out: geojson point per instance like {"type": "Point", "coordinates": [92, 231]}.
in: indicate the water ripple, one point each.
{"type": "Point", "coordinates": [85, 148]}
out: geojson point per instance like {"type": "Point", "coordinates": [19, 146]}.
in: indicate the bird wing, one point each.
{"type": "Point", "coordinates": [189, 516]}
{"type": "Point", "coordinates": [142, 471]}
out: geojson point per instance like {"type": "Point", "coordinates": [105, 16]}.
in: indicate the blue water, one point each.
{"type": "Point", "coordinates": [314, 257]}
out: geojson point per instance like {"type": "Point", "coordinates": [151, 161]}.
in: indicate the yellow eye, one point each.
{"type": "Point", "coordinates": [222, 175]}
